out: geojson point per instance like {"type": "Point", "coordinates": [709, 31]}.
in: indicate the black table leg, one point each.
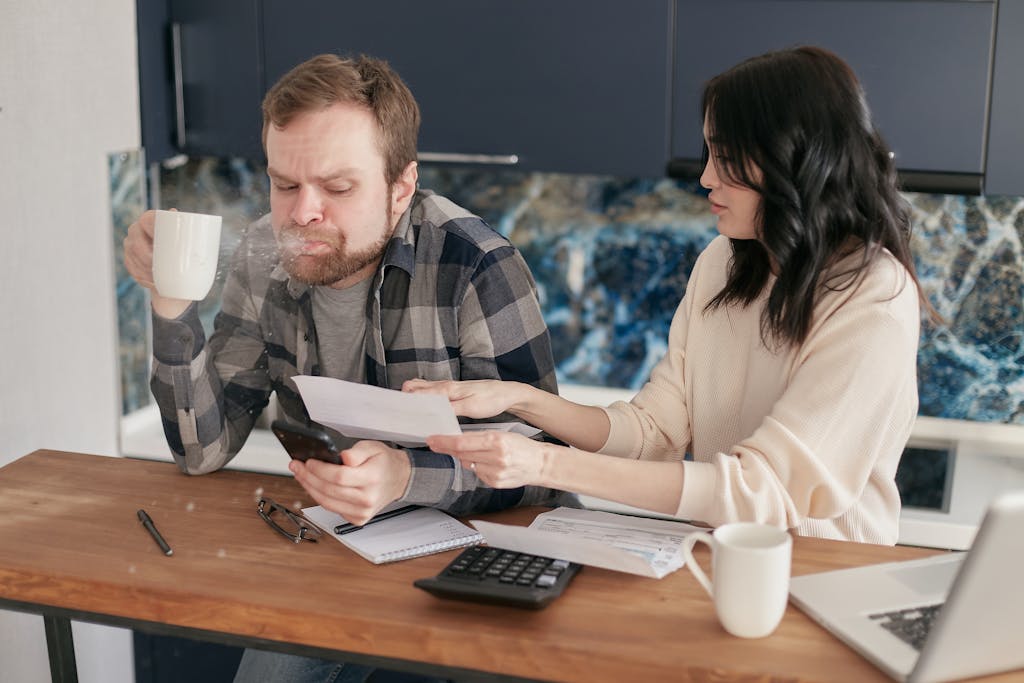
{"type": "Point", "coordinates": [61, 647]}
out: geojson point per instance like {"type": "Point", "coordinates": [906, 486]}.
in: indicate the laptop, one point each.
{"type": "Point", "coordinates": [940, 618]}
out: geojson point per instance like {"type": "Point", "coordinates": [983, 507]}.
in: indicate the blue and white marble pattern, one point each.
{"type": "Point", "coordinates": [611, 257]}
{"type": "Point", "coordinates": [127, 201]}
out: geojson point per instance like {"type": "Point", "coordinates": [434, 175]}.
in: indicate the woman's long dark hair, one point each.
{"type": "Point", "coordinates": [828, 182]}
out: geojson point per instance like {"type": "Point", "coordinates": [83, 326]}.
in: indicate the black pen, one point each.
{"type": "Point", "coordinates": [151, 528]}
{"type": "Point", "coordinates": [349, 527]}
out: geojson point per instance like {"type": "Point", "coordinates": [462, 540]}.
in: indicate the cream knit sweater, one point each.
{"type": "Point", "coordinates": [807, 437]}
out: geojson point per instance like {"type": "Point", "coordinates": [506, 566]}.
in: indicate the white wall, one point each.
{"type": "Point", "coordinates": [68, 98]}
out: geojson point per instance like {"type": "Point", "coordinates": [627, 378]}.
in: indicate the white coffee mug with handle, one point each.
{"type": "Point", "coordinates": [750, 565]}
{"type": "Point", "coordinates": [185, 251]}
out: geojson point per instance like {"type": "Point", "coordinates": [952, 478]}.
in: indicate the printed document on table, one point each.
{"type": "Point", "coordinates": [362, 411]}
{"type": "Point", "coordinates": [637, 545]}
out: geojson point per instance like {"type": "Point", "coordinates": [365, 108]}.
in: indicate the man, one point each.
{"type": "Point", "coordinates": [355, 274]}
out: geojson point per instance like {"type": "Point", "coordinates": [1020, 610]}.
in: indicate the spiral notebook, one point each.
{"type": "Point", "coordinates": [421, 532]}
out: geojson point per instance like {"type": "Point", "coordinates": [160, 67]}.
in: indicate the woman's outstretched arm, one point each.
{"type": "Point", "coordinates": [585, 427]}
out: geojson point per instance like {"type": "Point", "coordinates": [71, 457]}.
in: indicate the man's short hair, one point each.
{"type": "Point", "coordinates": [327, 79]}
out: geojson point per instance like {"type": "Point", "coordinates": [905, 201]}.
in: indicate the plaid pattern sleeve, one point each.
{"type": "Point", "coordinates": [491, 327]}
{"type": "Point", "coordinates": [210, 394]}
{"type": "Point", "coordinates": [186, 389]}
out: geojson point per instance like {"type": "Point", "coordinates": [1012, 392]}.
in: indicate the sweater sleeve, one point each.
{"type": "Point", "coordinates": [655, 425]}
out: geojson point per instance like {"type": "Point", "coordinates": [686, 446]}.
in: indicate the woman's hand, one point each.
{"type": "Point", "coordinates": [585, 427]}
{"type": "Point", "coordinates": [501, 460]}
{"type": "Point", "coordinates": [478, 398]}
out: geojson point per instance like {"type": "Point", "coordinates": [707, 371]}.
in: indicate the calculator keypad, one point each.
{"type": "Point", "coordinates": [503, 576]}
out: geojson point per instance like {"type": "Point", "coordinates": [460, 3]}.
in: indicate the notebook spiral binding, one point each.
{"type": "Point", "coordinates": [430, 548]}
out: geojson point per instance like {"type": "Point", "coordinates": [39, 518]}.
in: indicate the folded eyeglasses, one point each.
{"type": "Point", "coordinates": [291, 524]}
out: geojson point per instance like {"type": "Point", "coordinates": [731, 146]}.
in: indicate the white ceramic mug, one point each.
{"type": "Point", "coordinates": [185, 251]}
{"type": "Point", "coordinates": [750, 575]}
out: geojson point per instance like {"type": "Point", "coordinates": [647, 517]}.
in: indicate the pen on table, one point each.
{"type": "Point", "coordinates": [349, 527]}
{"type": "Point", "coordinates": [151, 528]}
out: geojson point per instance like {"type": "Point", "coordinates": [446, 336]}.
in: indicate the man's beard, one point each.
{"type": "Point", "coordinates": [331, 267]}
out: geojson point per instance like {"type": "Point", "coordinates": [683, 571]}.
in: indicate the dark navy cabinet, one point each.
{"type": "Point", "coordinates": [1004, 172]}
{"type": "Point", "coordinates": [576, 86]}
{"type": "Point", "coordinates": [156, 81]}
{"type": "Point", "coordinates": [200, 77]}
{"type": "Point", "coordinates": [221, 86]}
{"type": "Point", "coordinates": [596, 86]}
{"type": "Point", "coordinates": [924, 64]}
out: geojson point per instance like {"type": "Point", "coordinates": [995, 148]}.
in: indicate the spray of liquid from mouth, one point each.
{"type": "Point", "coordinates": [294, 242]}
{"type": "Point", "coordinates": [289, 241]}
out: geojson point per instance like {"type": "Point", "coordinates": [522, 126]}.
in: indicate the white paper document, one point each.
{"type": "Point", "coordinates": [362, 411]}
{"type": "Point", "coordinates": [637, 545]}
{"type": "Point", "coordinates": [514, 427]}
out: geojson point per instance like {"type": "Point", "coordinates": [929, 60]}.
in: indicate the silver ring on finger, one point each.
{"type": "Point", "coordinates": [472, 466]}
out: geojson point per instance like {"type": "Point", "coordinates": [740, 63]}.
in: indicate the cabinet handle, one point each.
{"type": "Point", "coordinates": [453, 158]}
{"type": "Point", "coordinates": [179, 86]}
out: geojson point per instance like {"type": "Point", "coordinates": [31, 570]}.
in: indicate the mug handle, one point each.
{"type": "Point", "coordinates": [698, 573]}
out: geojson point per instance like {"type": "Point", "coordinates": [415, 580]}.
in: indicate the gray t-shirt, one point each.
{"type": "Point", "coordinates": [340, 319]}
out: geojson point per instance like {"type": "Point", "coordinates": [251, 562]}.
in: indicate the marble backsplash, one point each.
{"type": "Point", "coordinates": [611, 257]}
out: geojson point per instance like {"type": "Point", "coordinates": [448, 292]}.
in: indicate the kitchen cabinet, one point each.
{"type": "Point", "coordinates": [596, 86]}
{"type": "Point", "coordinates": [581, 91]}
{"type": "Point", "coordinates": [156, 104]}
{"type": "Point", "coordinates": [575, 86]}
{"type": "Point", "coordinates": [200, 77]}
{"type": "Point", "coordinates": [1004, 173]}
{"type": "Point", "coordinates": [218, 56]}
{"type": "Point", "coordinates": [924, 65]}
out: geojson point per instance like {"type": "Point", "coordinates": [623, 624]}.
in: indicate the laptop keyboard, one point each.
{"type": "Point", "coordinates": [909, 625]}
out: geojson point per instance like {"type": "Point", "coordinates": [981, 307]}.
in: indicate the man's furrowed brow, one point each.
{"type": "Point", "coordinates": [336, 174]}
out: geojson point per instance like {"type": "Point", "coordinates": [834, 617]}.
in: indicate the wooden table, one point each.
{"type": "Point", "coordinates": [71, 547]}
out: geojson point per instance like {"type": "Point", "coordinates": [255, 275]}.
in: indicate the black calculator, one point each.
{"type": "Point", "coordinates": [505, 577]}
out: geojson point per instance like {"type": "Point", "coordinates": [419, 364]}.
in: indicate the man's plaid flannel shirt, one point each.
{"type": "Point", "coordinates": [452, 299]}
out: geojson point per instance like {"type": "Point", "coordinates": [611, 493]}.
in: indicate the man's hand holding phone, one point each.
{"type": "Point", "coordinates": [373, 475]}
{"type": "Point", "coordinates": [303, 443]}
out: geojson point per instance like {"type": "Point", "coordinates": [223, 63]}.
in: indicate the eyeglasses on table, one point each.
{"type": "Point", "coordinates": [292, 525]}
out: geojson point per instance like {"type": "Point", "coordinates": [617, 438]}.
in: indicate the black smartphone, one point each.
{"type": "Point", "coordinates": [303, 443]}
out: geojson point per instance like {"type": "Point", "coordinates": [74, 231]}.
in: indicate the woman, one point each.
{"type": "Point", "coordinates": [790, 370]}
